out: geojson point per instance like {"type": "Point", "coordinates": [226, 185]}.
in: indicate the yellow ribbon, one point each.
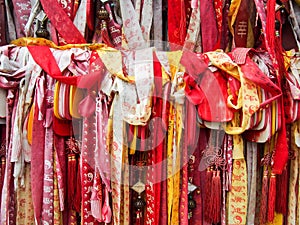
{"type": "Point", "coordinates": [57, 217]}
{"type": "Point", "coordinates": [25, 214]}
{"type": "Point", "coordinates": [170, 184]}
{"type": "Point", "coordinates": [30, 41]}
{"type": "Point", "coordinates": [238, 195]}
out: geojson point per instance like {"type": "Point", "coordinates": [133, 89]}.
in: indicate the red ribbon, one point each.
{"type": "Point", "coordinates": [62, 22]}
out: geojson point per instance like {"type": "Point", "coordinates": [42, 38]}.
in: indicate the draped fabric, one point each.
{"type": "Point", "coordinates": [149, 112]}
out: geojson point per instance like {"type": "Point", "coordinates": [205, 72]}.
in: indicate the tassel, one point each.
{"type": "Point", "coordinates": [96, 198]}
{"type": "Point", "coordinates": [139, 204]}
{"type": "Point", "coordinates": [264, 199]}
{"type": "Point", "coordinates": [71, 178]}
{"type": "Point", "coordinates": [77, 197]}
{"type": "Point", "coordinates": [138, 220]}
{"type": "Point", "coordinates": [106, 210]}
{"type": "Point", "coordinates": [216, 197]}
{"type": "Point", "coordinates": [208, 202]}
{"type": "Point", "coordinates": [272, 197]}
{"type": "Point", "coordinates": [281, 196]}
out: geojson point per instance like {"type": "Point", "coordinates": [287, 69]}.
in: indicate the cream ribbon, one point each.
{"type": "Point", "coordinates": [252, 179]}
{"type": "Point", "coordinates": [293, 180]}
{"type": "Point", "coordinates": [238, 195]}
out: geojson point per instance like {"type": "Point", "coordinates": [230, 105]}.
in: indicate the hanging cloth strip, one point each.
{"type": "Point", "coordinates": [293, 180]}
{"type": "Point", "coordinates": [238, 195]}
{"type": "Point", "coordinates": [87, 165]}
{"type": "Point", "coordinates": [252, 178]}
{"type": "Point", "coordinates": [158, 24]}
{"type": "Point", "coordinates": [193, 32]}
{"type": "Point", "coordinates": [62, 22]}
{"type": "Point", "coordinates": [209, 30]}
{"type": "Point", "coordinates": [80, 16]}
{"type": "Point", "coordinates": [218, 7]}
{"type": "Point", "coordinates": [154, 174]}
{"type": "Point", "coordinates": [175, 137]}
{"type": "Point", "coordinates": [2, 24]}
{"type": "Point", "coordinates": [132, 29]}
{"type": "Point", "coordinates": [25, 213]}
{"type": "Point", "coordinates": [22, 10]}
{"type": "Point", "coordinates": [47, 209]}
{"type": "Point", "coordinates": [238, 22]}
{"type": "Point", "coordinates": [146, 20]}
{"type": "Point", "coordinates": [116, 144]}
{"type": "Point", "coordinates": [176, 24]}
{"type": "Point", "coordinates": [37, 156]}
{"type": "Point", "coordinates": [56, 198]}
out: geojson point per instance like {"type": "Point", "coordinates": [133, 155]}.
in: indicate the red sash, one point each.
{"type": "Point", "coordinates": [62, 22]}
{"type": "Point", "coordinates": [44, 58]}
{"type": "Point", "coordinates": [176, 23]}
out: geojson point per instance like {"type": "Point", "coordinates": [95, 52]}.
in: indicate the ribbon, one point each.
{"type": "Point", "coordinates": [37, 160]}
{"type": "Point", "coordinates": [2, 24]}
{"type": "Point", "coordinates": [62, 22]}
{"type": "Point", "coordinates": [176, 23]}
{"type": "Point", "coordinates": [252, 178]}
{"type": "Point", "coordinates": [193, 32]}
{"type": "Point", "coordinates": [87, 167]}
{"type": "Point", "coordinates": [176, 118]}
{"type": "Point", "coordinates": [132, 29]}
{"type": "Point", "coordinates": [22, 11]}
{"type": "Point", "coordinates": [24, 201]}
{"type": "Point", "coordinates": [153, 190]}
{"type": "Point", "coordinates": [238, 195]}
{"type": "Point", "coordinates": [294, 170]}
{"type": "Point", "coordinates": [116, 146]}
{"type": "Point", "coordinates": [157, 24]}
{"type": "Point", "coordinates": [209, 30]}
{"type": "Point", "coordinates": [146, 20]}
{"type": "Point", "coordinates": [47, 208]}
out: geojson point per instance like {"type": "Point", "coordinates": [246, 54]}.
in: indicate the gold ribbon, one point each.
{"type": "Point", "coordinates": [57, 217]}
{"type": "Point", "coordinates": [293, 179]}
{"type": "Point", "coordinates": [25, 214]}
{"type": "Point", "coordinates": [238, 195]}
{"type": "Point", "coordinates": [170, 184]}
{"type": "Point", "coordinates": [174, 137]}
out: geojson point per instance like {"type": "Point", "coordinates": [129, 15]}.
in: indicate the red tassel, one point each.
{"type": "Point", "coordinates": [77, 197]}
{"type": "Point", "coordinates": [281, 196]}
{"type": "Point", "coordinates": [216, 197]}
{"type": "Point", "coordinates": [138, 220]}
{"type": "Point", "coordinates": [264, 199]}
{"type": "Point", "coordinates": [71, 178]}
{"type": "Point", "coordinates": [272, 198]}
{"type": "Point", "coordinates": [208, 200]}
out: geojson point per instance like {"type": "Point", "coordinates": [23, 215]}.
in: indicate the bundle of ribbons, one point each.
{"type": "Point", "coordinates": [149, 112]}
